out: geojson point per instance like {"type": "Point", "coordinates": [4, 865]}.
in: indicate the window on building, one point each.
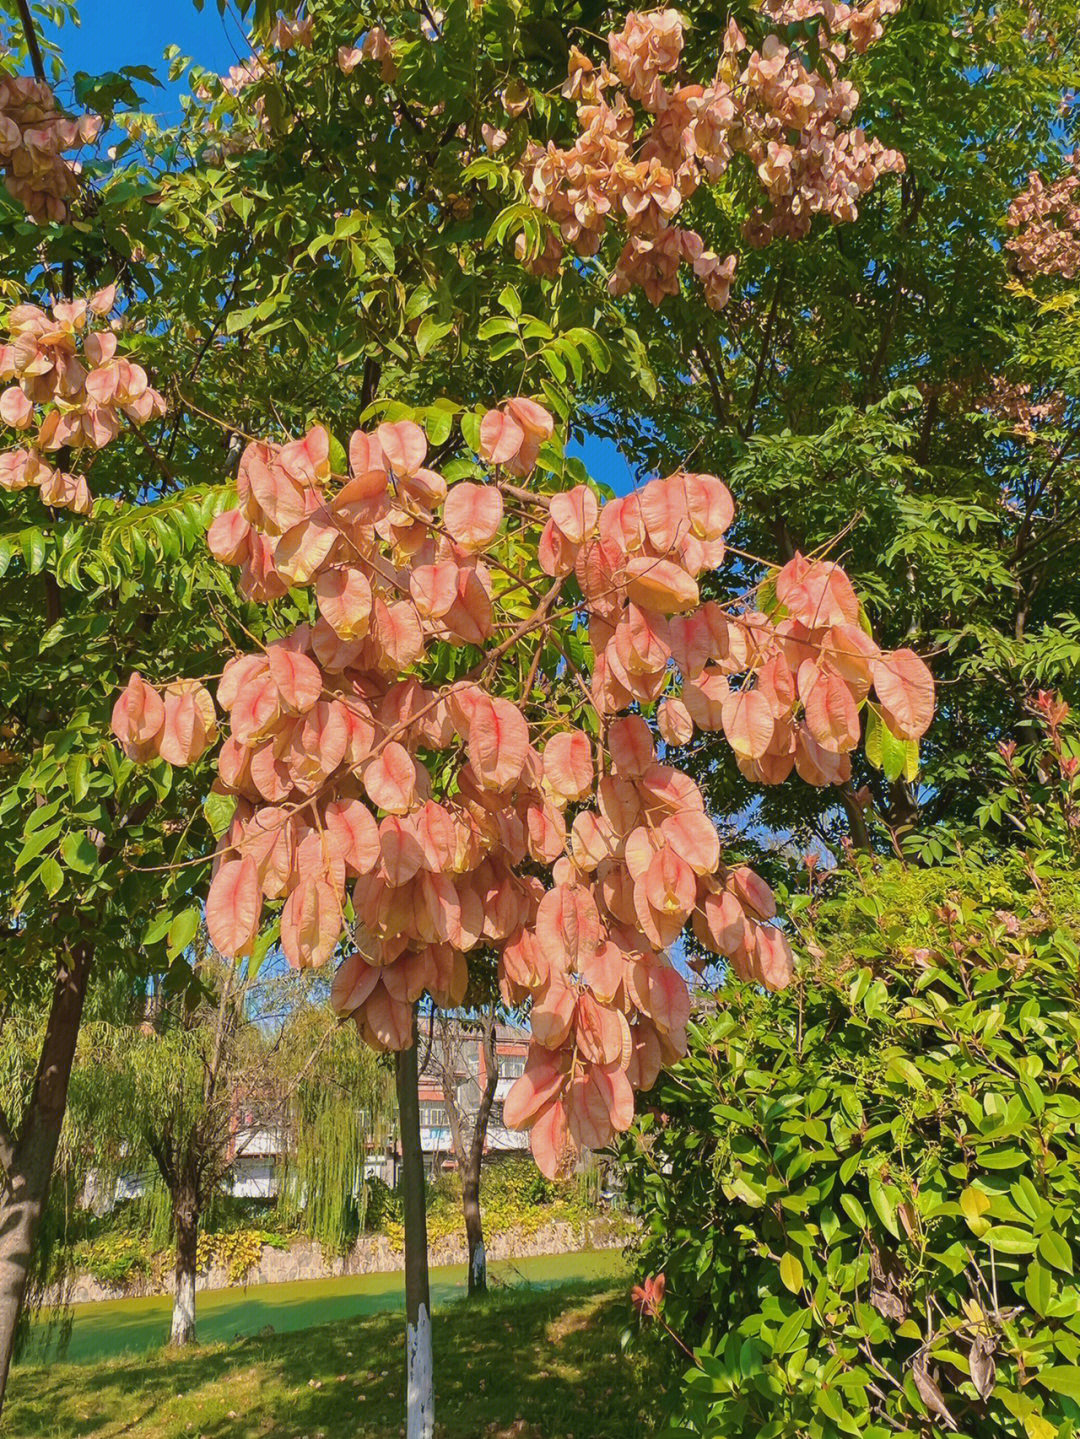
{"type": "Point", "coordinates": [511, 1066]}
{"type": "Point", "coordinates": [433, 1116]}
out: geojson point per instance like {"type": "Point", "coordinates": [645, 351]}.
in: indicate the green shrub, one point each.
{"type": "Point", "coordinates": [383, 1206]}
{"type": "Point", "coordinates": [116, 1261]}
{"type": "Point", "coordinates": [865, 1192]}
{"type": "Point", "coordinates": [514, 1195]}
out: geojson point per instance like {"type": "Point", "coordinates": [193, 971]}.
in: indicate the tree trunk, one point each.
{"type": "Point", "coordinates": [470, 1179]}
{"type": "Point", "coordinates": [186, 1224]}
{"type": "Point", "coordinates": [420, 1386]}
{"type": "Point", "coordinates": [860, 835]}
{"type": "Point", "coordinates": [474, 1230]}
{"type": "Point", "coordinates": [28, 1163]}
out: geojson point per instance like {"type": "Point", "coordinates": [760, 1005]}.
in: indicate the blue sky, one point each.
{"type": "Point", "coordinates": [116, 33]}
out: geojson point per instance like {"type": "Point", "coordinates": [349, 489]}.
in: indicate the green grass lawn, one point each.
{"type": "Point", "coordinates": [529, 1363]}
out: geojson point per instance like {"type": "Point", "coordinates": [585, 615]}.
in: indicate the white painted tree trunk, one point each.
{"type": "Point", "coordinates": [419, 1371]}
{"type": "Point", "coordinates": [186, 1221]}
{"type": "Point", "coordinates": [479, 1268]}
{"type": "Point", "coordinates": [183, 1314]}
{"type": "Point", "coordinates": [420, 1383]}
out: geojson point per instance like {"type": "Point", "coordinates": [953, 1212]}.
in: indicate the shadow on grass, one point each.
{"type": "Point", "coordinates": [540, 1364]}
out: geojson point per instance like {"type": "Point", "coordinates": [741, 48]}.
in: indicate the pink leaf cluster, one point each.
{"type": "Point", "coordinates": [71, 390]}
{"type": "Point", "coordinates": [790, 123]}
{"type": "Point", "coordinates": [34, 134]}
{"type": "Point", "coordinates": [1046, 222]}
{"type": "Point", "coordinates": [425, 820]}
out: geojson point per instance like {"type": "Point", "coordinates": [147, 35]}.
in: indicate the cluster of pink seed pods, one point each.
{"type": "Point", "coordinates": [1045, 221]}
{"type": "Point", "coordinates": [417, 821]}
{"type": "Point", "coordinates": [791, 122]}
{"type": "Point", "coordinates": [34, 134]}
{"type": "Point", "coordinates": [69, 389]}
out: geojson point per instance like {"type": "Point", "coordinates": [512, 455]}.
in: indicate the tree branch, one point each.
{"type": "Point", "coordinates": [766, 348]}
{"type": "Point", "coordinates": [719, 404]}
{"type": "Point", "coordinates": [31, 39]}
{"type": "Point", "coordinates": [491, 1080]}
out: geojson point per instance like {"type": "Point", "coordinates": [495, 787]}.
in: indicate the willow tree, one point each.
{"type": "Point", "coordinates": [339, 1117]}
{"type": "Point", "coordinates": [242, 1050]}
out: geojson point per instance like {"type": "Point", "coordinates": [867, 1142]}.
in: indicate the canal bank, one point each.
{"type": "Point", "coordinates": [110, 1328]}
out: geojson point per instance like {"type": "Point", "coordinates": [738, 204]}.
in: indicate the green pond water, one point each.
{"type": "Point", "coordinates": [136, 1326]}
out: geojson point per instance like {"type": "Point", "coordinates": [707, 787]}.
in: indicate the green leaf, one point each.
{"type": "Point", "coordinates": [1002, 1158]}
{"type": "Point", "coordinates": [51, 876]}
{"type": "Point", "coordinates": [429, 332]}
{"type": "Point", "coordinates": [884, 1206]}
{"type": "Point", "coordinates": [854, 1210]}
{"type": "Point", "coordinates": [904, 1072]}
{"type": "Point", "coordinates": [80, 853]}
{"type": "Point", "coordinates": [1036, 1427]}
{"type": "Point", "coordinates": [157, 929]}
{"type": "Point", "coordinates": [974, 1204]}
{"type": "Point", "coordinates": [792, 1333]}
{"type": "Point", "coordinates": [183, 930]}
{"type": "Point", "coordinates": [494, 326]}
{"type": "Point", "coordinates": [219, 810]}
{"type": "Point", "coordinates": [1061, 1379]}
{"type": "Point", "coordinates": [510, 301]}
{"type": "Point", "coordinates": [1009, 1239]}
{"type": "Point", "coordinates": [77, 777]}
{"type": "Point", "coordinates": [38, 841]}
{"type": "Point", "coordinates": [1038, 1288]}
{"type": "Point", "coordinates": [1055, 1251]}
{"type": "Point", "coordinates": [791, 1272]}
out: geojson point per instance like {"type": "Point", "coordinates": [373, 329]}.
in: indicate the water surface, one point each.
{"type": "Point", "coordinates": [125, 1326]}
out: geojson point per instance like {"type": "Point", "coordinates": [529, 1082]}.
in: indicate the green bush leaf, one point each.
{"type": "Point", "coordinates": [791, 1272]}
